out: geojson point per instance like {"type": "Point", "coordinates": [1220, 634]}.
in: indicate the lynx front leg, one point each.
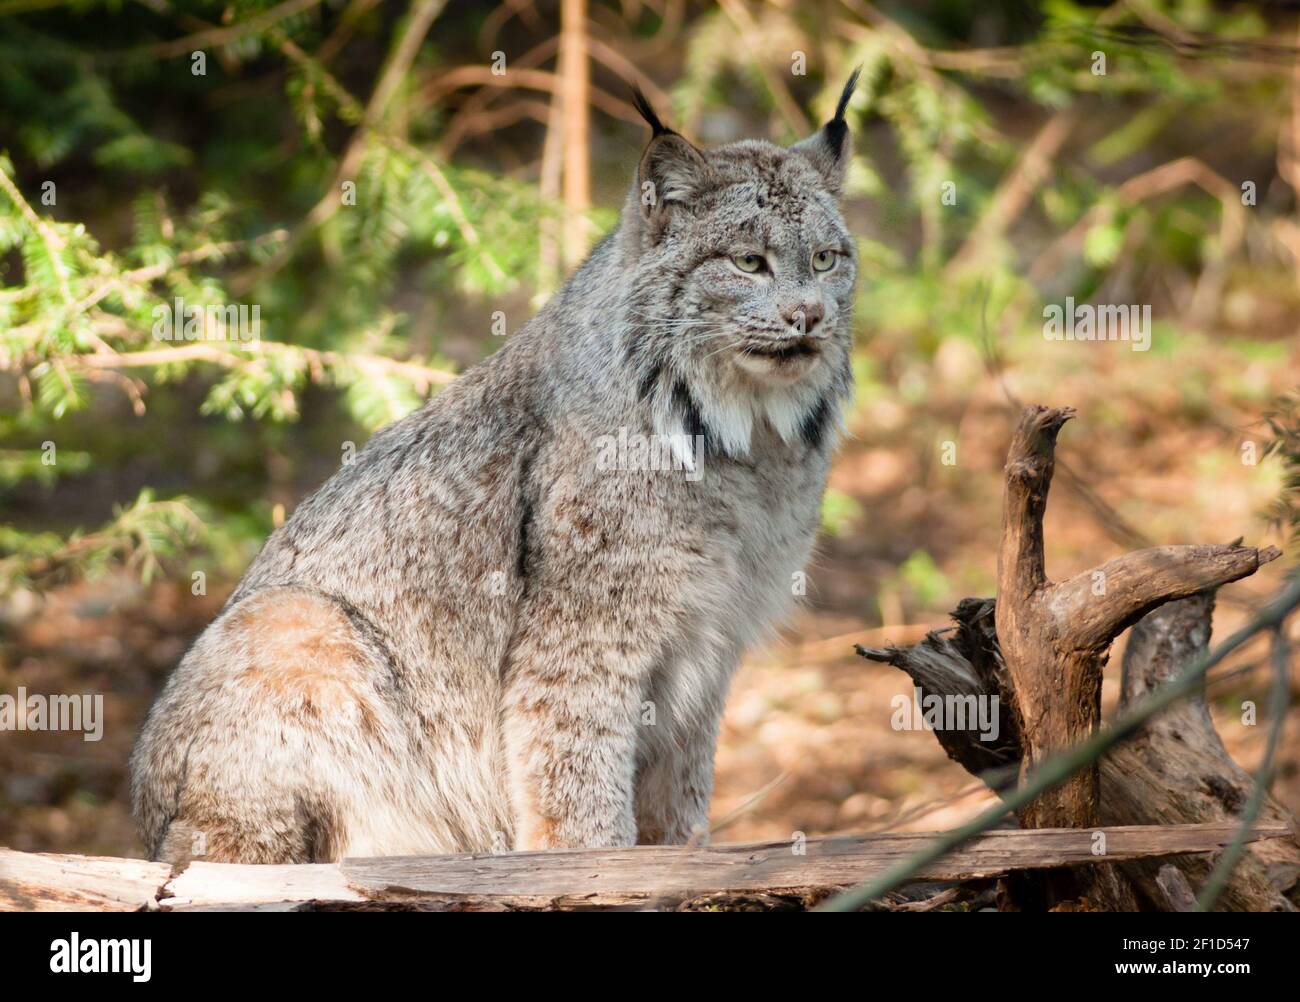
{"type": "Point", "coordinates": [571, 698]}
{"type": "Point", "coordinates": [680, 736]}
{"type": "Point", "coordinates": [673, 794]}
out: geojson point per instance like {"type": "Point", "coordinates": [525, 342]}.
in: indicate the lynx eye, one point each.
{"type": "Point", "coordinates": [749, 263]}
{"type": "Point", "coordinates": [824, 260]}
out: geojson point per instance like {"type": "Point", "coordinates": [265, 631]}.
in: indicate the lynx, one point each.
{"type": "Point", "coordinates": [477, 636]}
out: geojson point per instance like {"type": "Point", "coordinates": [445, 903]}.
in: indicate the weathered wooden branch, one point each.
{"type": "Point", "coordinates": [1041, 648]}
{"type": "Point", "coordinates": [762, 875]}
{"type": "Point", "coordinates": [964, 662]}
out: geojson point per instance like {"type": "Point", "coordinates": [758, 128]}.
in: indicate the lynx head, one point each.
{"type": "Point", "coordinates": [742, 298]}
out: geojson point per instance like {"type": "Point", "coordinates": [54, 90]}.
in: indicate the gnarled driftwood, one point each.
{"type": "Point", "coordinates": [1041, 648]}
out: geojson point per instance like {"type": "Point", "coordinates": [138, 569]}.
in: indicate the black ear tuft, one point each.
{"type": "Point", "coordinates": [648, 113]}
{"type": "Point", "coordinates": [827, 148]}
{"type": "Point", "coordinates": [847, 93]}
{"type": "Point", "coordinates": [836, 129]}
{"type": "Point", "coordinates": [671, 172]}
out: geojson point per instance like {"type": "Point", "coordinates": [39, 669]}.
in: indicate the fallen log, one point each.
{"type": "Point", "coordinates": [776, 874]}
{"type": "Point", "coordinates": [1039, 651]}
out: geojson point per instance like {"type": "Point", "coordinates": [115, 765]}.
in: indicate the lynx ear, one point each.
{"type": "Point", "coordinates": [828, 148]}
{"type": "Point", "coordinates": [671, 172]}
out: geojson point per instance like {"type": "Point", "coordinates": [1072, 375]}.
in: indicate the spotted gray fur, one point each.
{"type": "Point", "coordinates": [473, 636]}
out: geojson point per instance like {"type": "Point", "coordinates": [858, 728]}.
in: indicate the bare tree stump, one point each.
{"type": "Point", "coordinates": [1041, 649]}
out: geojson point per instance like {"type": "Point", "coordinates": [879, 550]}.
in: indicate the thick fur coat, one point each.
{"type": "Point", "coordinates": [511, 621]}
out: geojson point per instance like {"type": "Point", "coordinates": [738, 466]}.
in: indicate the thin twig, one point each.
{"type": "Point", "coordinates": [422, 376]}
{"type": "Point", "coordinates": [212, 37]}
{"type": "Point", "coordinates": [788, 107]}
{"type": "Point", "coordinates": [421, 18]}
{"type": "Point", "coordinates": [659, 898]}
{"type": "Point", "coordinates": [1278, 699]}
{"type": "Point", "coordinates": [54, 244]}
{"type": "Point", "coordinates": [1016, 191]}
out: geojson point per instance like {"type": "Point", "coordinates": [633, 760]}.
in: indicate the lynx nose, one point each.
{"type": "Point", "coordinates": [803, 317]}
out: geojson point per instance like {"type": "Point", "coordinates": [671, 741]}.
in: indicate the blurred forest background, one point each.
{"type": "Point", "coordinates": [397, 185]}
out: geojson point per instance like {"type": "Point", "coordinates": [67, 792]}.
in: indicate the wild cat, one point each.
{"type": "Point", "coordinates": [482, 633]}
